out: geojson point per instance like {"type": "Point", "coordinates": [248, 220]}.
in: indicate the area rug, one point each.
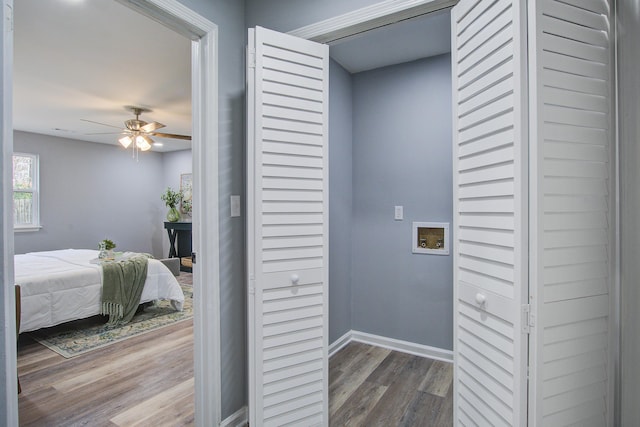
{"type": "Point", "coordinates": [81, 336]}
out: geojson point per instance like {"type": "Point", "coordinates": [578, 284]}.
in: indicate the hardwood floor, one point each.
{"type": "Point", "coordinates": [142, 381]}
{"type": "Point", "coordinates": [374, 386]}
{"type": "Point", "coordinates": [148, 381]}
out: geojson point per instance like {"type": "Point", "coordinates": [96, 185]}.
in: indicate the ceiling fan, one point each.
{"type": "Point", "coordinates": [138, 131]}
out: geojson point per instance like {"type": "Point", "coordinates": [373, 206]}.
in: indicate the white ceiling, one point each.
{"type": "Point", "coordinates": [87, 59]}
{"type": "Point", "coordinates": [405, 41]}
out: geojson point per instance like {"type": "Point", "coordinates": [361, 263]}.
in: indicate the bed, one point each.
{"type": "Point", "coordinates": [64, 285]}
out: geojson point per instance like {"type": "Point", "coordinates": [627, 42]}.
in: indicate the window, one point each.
{"type": "Point", "coordinates": [26, 215]}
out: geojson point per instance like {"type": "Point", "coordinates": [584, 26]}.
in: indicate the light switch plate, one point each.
{"type": "Point", "coordinates": [399, 213]}
{"type": "Point", "coordinates": [235, 206]}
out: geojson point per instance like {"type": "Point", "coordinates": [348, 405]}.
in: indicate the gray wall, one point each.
{"type": "Point", "coordinates": [89, 192]}
{"type": "Point", "coordinates": [629, 137]}
{"type": "Point", "coordinates": [340, 200]}
{"type": "Point", "coordinates": [229, 15]}
{"type": "Point", "coordinates": [402, 156]}
{"type": "Point", "coordinates": [174, 164]}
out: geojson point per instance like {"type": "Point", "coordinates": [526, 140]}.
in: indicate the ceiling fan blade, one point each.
{"type": "Point", "coordinates": [170, 135]}
{"type": "Point", "coordinates": [150, 127]}
{"type": "Point", "coordinates": [103, 124]}
{"type": "Point", "coordinates": [103, 133]}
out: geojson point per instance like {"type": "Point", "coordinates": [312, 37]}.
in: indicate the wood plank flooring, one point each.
{"type": "Point", "coordinates": [142, 381]}
{"type": "Point", "coordinates": [148, 381]}
{"type": "Point", "coordinates": [373, 386]}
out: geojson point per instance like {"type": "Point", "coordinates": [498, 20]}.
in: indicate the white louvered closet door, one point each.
{"type": "Point", "coordinates": [490, 212]}
{"type": "Point", "coordinates": [287, 229]}
{"type": "Point", "coordinates": [571, 215]}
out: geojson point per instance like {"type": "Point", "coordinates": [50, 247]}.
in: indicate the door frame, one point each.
{"type": "Point", "coordinates": [341, 27]}
{"type": "Point", "coordinates": [204, 87]}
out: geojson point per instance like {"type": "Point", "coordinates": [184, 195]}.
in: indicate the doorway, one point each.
{"type": "Point", "coordinates": [391, 161]}
{"type": "Point", "coordinates": [281, 164]}
{"type": "Point", "coordinates": [205, 214]}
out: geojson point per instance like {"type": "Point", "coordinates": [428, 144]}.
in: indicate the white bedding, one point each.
{"type": "Point", "coordinates": [60, 286]}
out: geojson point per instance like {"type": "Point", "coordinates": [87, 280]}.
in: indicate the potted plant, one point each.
{"type": "Point", "coordinates": [106, 248]}
{"type": "Point", "coordinates": [171, 198]}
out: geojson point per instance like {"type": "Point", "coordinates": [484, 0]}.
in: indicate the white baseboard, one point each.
{"type": "Point", "coordinates": [237, 419]}
{"type": "Point", "coordinates": [392, 344]}
{"type": "Point", "coordinates": [337, 345]}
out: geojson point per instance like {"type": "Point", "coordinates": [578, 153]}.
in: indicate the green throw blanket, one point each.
{"type": "Point", "coordinates": [122, 284]}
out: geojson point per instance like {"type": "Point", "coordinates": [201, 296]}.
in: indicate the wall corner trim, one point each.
{"type": "Point", "coordinates": [237, 419]}
{"type": "Point", "coordinates": [341, 342]}
{"type": "Point", "coordinates": [392, 344]}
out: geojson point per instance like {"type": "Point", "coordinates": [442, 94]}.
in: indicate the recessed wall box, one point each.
{"type": "Point", "coordinates": [430, 238]}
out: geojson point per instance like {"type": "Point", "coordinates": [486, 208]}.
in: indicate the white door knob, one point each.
{"type": "Point", "coordinates": [295, 279]}
{"type": "Point", "coordinates": [480, 299]}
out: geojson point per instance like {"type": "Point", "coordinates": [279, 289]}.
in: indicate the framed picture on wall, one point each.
{"type": "Point", "coordinates": [186, 189]}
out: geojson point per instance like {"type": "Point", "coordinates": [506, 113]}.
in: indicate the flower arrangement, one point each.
{"type": "Point", "coordinates": [106, 247]}
{"type": "Point", "coordinates": [107, 244]}
{"type": "Point", "coordinates": [171, 197]}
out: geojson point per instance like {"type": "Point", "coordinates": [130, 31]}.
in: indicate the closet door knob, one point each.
{"type": "Point", "coordinates": [480, 299]}
{"type": "Point", "coordinates": [295, 279]}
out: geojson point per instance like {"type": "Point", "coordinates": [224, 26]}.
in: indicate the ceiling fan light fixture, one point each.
{"type": "Point", "coordinates": [125, 141]}
{"type": "Point", "coordinates": [143, 142]}
{"type": "Point", "coordinates": [136, 132]}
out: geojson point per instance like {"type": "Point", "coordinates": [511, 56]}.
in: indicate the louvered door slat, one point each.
{"type": "Point", "coordinates": [292, 113]}
{"type": "Point", "coordinates": [497, 17]}
{"type": "Point", "coordinates": [558, 27]}
{"type": "Point", "coordinates": [500, 89]}
{"type": "Point", "coordinates": [493, 157]}
{"type": "Point", "coordinates": [570, 74]}
{"type": "Point", "coordinates": [487, 252]}
{"type": "Point", "coordinates": [559, 132]}
{"type": "Point", "coordinates": [571, 65]}
{"type": "Point", "coordinates": [582, 101]}
{"type": "Point", "coordinates": [496, 107]}
{"type": "Point", "coordinates": [579, 81]}
{"type": "Point", "coordinates": [287, 230]}
{"type": "Point", "coordinates": [561, 367]}
{"type": "Point", "coordinates": [574, 48]}
{"type": "Point", "coordinates": [476, 80]}
{"type": "Point", "coordinates": [286, 101]}
{"type": "Point", "coordinates": [501, 138]}
{"type": "Point", "coordinates": [489, 212]}
{"type": "Point", "coordinates": [576, 151]}
{"type": "Point", "coordinates": [579, 13]}
{"type": "Point", "coordinates": [280, 64]}
{"type": "Point", "coordinates": [477, 19]}
{"type": "Point", "coordinates": [580, 185]}
{"type": "Point", "coordinates": [274, 87]}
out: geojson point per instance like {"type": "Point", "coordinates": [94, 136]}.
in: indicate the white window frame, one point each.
{"type": "Point", "coordinates": [35, 191]}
